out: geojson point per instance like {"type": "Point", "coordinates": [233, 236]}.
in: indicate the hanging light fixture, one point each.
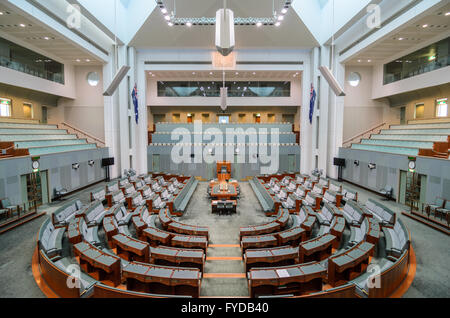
{"type": "Point", "coordinates": [225, 30]}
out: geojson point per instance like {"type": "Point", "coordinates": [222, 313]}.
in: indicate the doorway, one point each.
{"type": "Point", "coordinates": [402, 115]}
{"type": "Point", "coordinates": [291, 163]}
{"type": "Point", "coordinates": [155, 163]}
{"type": "Point", "coordinates": [159, 118]}
{"type": "Point", "coordinates": [36, 188]}
{"type": "Point", "coordinates": [420, 111]}
{"type": "Point", "coordinates": [44, 114]}
{"type": "Point", "coordinates": [412, 189]}
{"type": "Point", "coordinates": [288, 118]}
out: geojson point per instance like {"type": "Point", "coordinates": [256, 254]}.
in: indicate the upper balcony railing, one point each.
{"type": "Point", "coordinates": [21, 59]}
{"type": "Point", "coordinates": [425, 60]}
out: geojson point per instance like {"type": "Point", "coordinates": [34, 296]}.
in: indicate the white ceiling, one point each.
{"type": "Point", "coordinates": [37, 35]}
{"type": "Point", "coordinates": [229, 75]}
{"type": "Point", "coordinates": [155, 33]}
{"type": "Point", "coordinates": [409, 36]}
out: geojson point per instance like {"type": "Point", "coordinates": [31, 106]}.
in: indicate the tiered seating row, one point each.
{"type": "Point", "coordinates": [39, 139]}
{"type": "Point", "coordinates": [431, 139]}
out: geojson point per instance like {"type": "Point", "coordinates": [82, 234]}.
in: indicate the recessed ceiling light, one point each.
{"type": "Point", "coordinates": [170, 24]}
{"type": "Point", "coordinates": [400, 39]}
{"type": "Point", "coordinates": [22, 25]}
{"type": "Point", "coordinates": [46, 38]}
{"type": "Point", "coordinates": [281, 18]}
{"type": "Point", "coordinates": [1, 13]}
{"type": "Point", "coordinates": [210, 73]}
{"type": "Point", "coordinates": [163, 10]}
{"type": "Point", "coordinates": [284, 10]}
{"type": "Point", "coordinates": [237, 73]}
{"type": "Point", "coordinates": [425, 26]}
{"type": "Point", "coordinates": [78, 60]}
{"type": "Point", "coordinates": [193, 73]}
{"type": "Point", "coordinates": [88, 60]}
{"type": "Point", "coordinates": [189, 24]}
{"type": "Point", "coordinates": [153, 75]}
{"type": "Point", "coordinates": [254, 73]}
{"type": "Point", "coordinates": [447, 14]}
{"type": "Point", "coordinates": [277, 24]}
{"type": "Point", "coordinates": [369, 61]}
{"type": "Point", "coordinates": [359, 61]}
{"type": "Point", "coordinates": [258, 24]}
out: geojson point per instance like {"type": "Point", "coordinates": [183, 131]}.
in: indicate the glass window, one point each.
{"type": "Point", "coordinates": [235, 89]}
{"type": "Point", "coordinates": [354, 78]}
{"type": "Point", "coordinates": [430, 58]}
{"type": "Point", "coordinates": [21, 59]}
{"type": "Point", "coordinates": [441, 108]}
{"type": "Point", "coordinates": [224, 119]}
{"type": "Point", "coordinates": [5, 107]}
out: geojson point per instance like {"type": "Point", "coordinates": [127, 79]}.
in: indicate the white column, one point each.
{"type": "Point", "coordinates": [141, 130]}
{"type": "Point", "coordinates": [336, 122]}
{"type": "Point", "coordinates": [111, 116]}
{"type": "Point", "coordinates": [306, 128]}
{"type": "Point", "coordinates": [124, 113]}
{"type": "Point", "coordinates": [324, 92]}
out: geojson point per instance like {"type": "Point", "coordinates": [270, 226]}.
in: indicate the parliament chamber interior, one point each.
{"type": "Point", "coordinates": [224, 149]}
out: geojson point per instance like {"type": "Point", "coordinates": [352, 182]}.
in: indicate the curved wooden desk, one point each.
{"type": "Point", "coordinates": [163, 255]}
{"type": "Point", "coordinates": [162, 279]}
{"type": "Point", "coordinates": [131, 249]}
{"type": "Point", "coordinates": [294, 279]}
{"type": "Point", "coordinates": [100, 265]}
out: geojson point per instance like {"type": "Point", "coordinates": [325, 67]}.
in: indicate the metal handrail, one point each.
{"type": "Point", "coordinates": [100, 143]}
{"type": "Point", "coordinates": [348, 142]}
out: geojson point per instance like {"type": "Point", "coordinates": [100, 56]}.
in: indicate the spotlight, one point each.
{"type": "Point", "coordinates": [91, 162]}
{"type": "Point", "coordinates": [76, 166]}
{"type": "Point", "coordinates": [372, 166]}
{"type": "Point", "coordinates": [356, 163]}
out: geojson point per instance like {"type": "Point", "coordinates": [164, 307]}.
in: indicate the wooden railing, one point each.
{"type": "Point", "coordinates": [82, 134]}
{"type": "Point", "coordinates": [365, 134]}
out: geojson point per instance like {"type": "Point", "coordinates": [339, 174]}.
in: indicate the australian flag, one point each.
{"type": "Point", "coordinates": [311, 104]}
{"type": "Point", "coordinates": [134, 94]}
